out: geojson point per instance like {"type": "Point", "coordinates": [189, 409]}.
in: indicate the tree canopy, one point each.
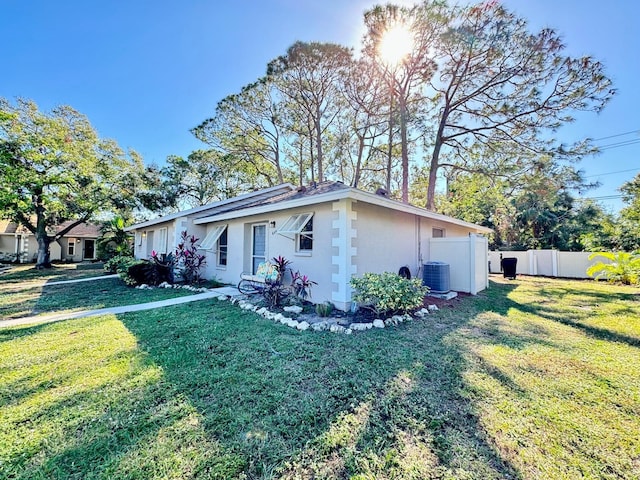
{"type": "Point", "coordinates": [54, 168]}
{"type": "Point", "coordinates": [476, 91]}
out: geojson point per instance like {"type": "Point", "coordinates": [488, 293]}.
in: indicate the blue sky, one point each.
{"type": "Point", "coordinates": [145, 72]}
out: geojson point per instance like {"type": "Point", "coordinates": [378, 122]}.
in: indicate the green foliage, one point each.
{"type": "Point", "coordinates": [151, 272]}
{"type": "Point", "coordinates": [187, 259]}
{"type": "Point", "coordinates": [624, 267]}
{"type": "Point", "coordinates": [54, 168]}
{"type": "Point", "coordinates": [388, 293]}
{"type": "Point", "coordinates": [113, 240]}
{"type": "Point", "coordinates": [120, 264]}
{"type": "Point", "coordinates": [324, 309]}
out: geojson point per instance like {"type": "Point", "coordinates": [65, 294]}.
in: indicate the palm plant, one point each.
{"type": "Point", "coordinates": [622, 267]}
{"type": "Point", "coordinates": [114, 240]}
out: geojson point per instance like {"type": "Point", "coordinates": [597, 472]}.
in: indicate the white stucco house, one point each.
{"type": "Point", "coordinates": [329, 231]}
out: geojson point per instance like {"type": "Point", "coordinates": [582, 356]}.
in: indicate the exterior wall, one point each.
{"type": "Point", "coordinates": [386, 240]}
{"type": "Point", "coordinates": [55, 252]}
{"type": "Point", "coordinates": [344, 251]}
{"type": "Point", "coordinates": [466, 256]}
{"type": "Point", "coordinates": [80, 248]}
{"type": "Point", "coordinates": [7, 248]}
{"type": "Point", "coordinates": [551, 263]}
{"type": "Point", "coordinates": [77, 255]}
{"type": "Point", "coordinates": [151, 239]}
{"type": "Point", "coordinates": [316, 264]}
{"type": "Point", "coordinates": [426, 233]}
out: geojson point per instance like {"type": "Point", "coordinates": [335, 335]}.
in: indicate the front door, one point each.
{"type": "Point", "coordinates": [259, 246]}
{"type": "Point", "coordinates": [89, 249]}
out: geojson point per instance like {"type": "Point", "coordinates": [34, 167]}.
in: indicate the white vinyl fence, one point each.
{"type": "Point", "coordinates": [549, 263]}
{"type": "Point", "coordinates": [466, 257]}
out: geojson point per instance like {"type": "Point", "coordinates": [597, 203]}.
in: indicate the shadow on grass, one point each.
{"type": "Point", "coordinates": [293, 403]}
{"type": "Point", "coordinates": [548, 310]}
{"type": "Point", "coordinates": [91, 408]}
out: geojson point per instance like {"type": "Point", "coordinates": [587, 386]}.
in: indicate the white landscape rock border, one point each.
{"type": "Point", "coordinates": [323, 325]}
{"type": "Point", "coordinates": [304, 325]}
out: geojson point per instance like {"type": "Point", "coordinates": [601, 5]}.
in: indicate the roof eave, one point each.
{"type": "Point", "coordinates": [348, 192]}
{"type": "Point", "coordinates": [204, 208]}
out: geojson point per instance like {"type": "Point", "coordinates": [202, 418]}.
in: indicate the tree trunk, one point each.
{"type": "Point", "coordinates": [319, 145]}
{"type": "Point", "coordinates": [390, 144]}
{"type": "Point", "coordinates": [435, 161]}
{"type": "Point", "coordinates": [44, 255]}
{"type": "Point", "coordinates": [405, 148]}
{"type": "Point", "coordinates": [433, 175]}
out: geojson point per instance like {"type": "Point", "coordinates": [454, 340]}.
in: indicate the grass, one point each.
{"type": "Point", "coordinates": [58, 272]}
{"type": "Point", "coordinates": [533, 378]}
{"type": "Point", "coordinates": [32, 295]}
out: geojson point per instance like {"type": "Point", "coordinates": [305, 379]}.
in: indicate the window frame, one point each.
{"type": "Point", "coordinates": [211, 238]}
{"type": "Point", "coordinates": [71, 247]}
{"type": "Point", "coordinates": [433, 230]}
{"type": "Point", "coordinates": [163, 240]}
{"type": "Point", "coordinates": [220, 246]}
{"type": "Point", "coordinates": [305, 234]}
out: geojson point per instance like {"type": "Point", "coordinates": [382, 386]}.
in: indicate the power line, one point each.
{"type": "Point", "coordinates": [612, 173]}
{"type": "Point", "coordinates": [619, 144]}
{"type": "Point", "coordinates": [604, 197]}
{"type": "Point", "coordinates": [617, 135]}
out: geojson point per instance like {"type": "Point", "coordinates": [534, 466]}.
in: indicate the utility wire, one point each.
{"type": "Point", "coordinates": [612, 173]}
{"type": "Point", "coordinates": [619, 144]}
{"type": "Point", "coordinates": [617, 135]}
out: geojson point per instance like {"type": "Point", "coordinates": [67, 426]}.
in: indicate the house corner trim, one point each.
{"type": "Point", "coordinates": [342, 263]}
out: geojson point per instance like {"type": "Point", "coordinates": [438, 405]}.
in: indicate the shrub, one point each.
{"type": "Point", "coordinates": [119, 264]}
{"type": "Point", "coordinates": [324, 309]}
{"type": "Point", "coordinates": [187, 259]}
{"type": "Point", "coordinates": [388, 293]}
{"type": "Point", "coordinates": [150, 272]}
{"type": "Point", "coordinates": [624, 267]}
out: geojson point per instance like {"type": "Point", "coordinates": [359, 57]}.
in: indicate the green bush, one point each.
{"type": "Point", "coordinates": [624, 267]}
{"type": "Point", "coordinates": [324, 309]}
{"type": "Point", "coordinates": [388, 293]}
{"type": "Point", "coordinates": [119, 264]}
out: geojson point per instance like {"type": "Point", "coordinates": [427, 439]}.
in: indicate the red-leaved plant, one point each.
{"type": "Point", "coordinates": [188, 260]}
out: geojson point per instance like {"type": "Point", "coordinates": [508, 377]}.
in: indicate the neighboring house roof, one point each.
{"type": "Point", "coordinates": [84, 230]}
{"type": "Point", "coordinates": [327, 192]}
{"type": "Point", "coordinates": [222, 205]}
{"type": "Point", "coordinates": [11, 228]}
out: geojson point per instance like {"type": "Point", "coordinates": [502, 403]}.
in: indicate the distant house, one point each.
{"type": "Point", "coordinates": [330, 231]}
{"type": "Point", "coordinates": [19, 244]}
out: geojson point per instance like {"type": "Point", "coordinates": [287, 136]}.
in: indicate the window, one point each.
{"type": "Point", "coordinates": [295, 224]}
{"type": "Point", "coordinates": [71, 249]}
{"type": "Point", "coordinates": [162, 241]}
{"type": "Point", "coordinates": [305, 237]}
{"type": "Point", "coordinates": [222, 248]}
{"type": "Point", "coordinates": [212, 237]}
{"type": "Point", "coordinates": [301, 227]}
{"type": "Point", "coordinates": [138, 238]}
{"type": "Point", "coordinates": [437, 233]}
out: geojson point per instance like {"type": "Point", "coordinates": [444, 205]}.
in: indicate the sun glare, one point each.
{"type": "Point", "coordinates": [395, 44]}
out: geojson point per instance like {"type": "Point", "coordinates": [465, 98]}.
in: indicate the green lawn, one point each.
{"type": "Point", "coordinates": [26, 293]}
{"type": "Point", "coordinates": [534, 378]}
{"type": "Point", "coordinates": [59, 272]}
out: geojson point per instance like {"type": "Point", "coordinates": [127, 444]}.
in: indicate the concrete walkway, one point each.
{"type": "Point", "coordinates": [77, 280]}
{"type": "Point", "coordinates": [55, 317]}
